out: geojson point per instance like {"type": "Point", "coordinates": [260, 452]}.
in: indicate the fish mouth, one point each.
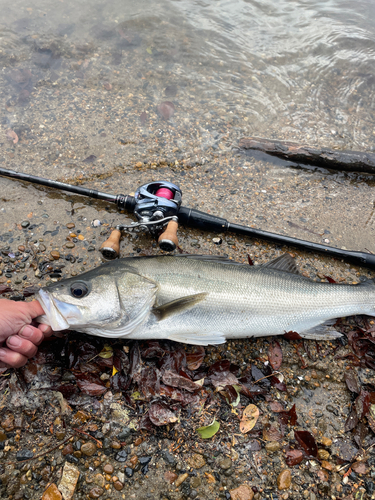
{"type": "Point", "coordinates": [57, 313]}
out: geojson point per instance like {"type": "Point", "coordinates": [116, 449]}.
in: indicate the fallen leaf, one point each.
{"type": "Point", "coordinates": [166, 109]}
{"type": "Point", "coordinates": [249, 418]}
{"type": "Point", "coordinates": [275, 355]}
{"type": "Point", "coordinates": [12, 136]}
{"type": "Point", "coordinates": [307, 441]}
{"type": "Point", "coordinates": [106, 352]}
{"type": "Point", "coordinates": [360, 467]}
{"type": "Point", "coordinates": [159, 414]}
{"type": "Point", "coordinates": [208, 431]}
{"type": "Point", "coordinates": [294, 457]}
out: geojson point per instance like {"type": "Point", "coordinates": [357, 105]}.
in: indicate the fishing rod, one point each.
{"type": "Point", "coordinates": [157, 206]}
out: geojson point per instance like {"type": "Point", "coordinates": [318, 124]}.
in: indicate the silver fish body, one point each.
{"type": "Point", "coordinates": [200, 300]}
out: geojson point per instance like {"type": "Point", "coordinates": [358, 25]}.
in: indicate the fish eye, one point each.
{"type": "Point", "coordinates": [79, 290]}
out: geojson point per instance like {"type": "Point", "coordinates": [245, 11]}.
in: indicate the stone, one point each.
{"type": "Point", "coordinates": [3, 436]}
{"type": "Point", "coordinates": [24, 454]}
{"type": "Point", "coordinates": [181, 479]}
{"type": "Point", "coordinates": [323, 454]}
{"type": "Point", "coordinates": [273, 446]}
{"type": "Point", "coordinates": [55, 254]}
{"type": "Point", "coordinates": [8, 423]}
{"type": "Point", "coordinates": [326, 441]}
{"type": "Point", "coordinates": [98, 479]}
{"type": "Point", "coordinates": [225, 464]}
{"type": "Point", "coordinates": [195, 482]}
{"type": "Point", "coordinates": [70, 244]}
{"type": "Point", "coordinates": [68, 449]}
{"type": "Point", "coordinates": [68, 481]}
{"type": "Point", "coordinates": [121, 456]}
{"type": "Point", "coordinates": [129, 472]}
{"type": "Point", "coordinates": [116, 445]}
{"type": "Point", "coordinates": [70, 225]}
{"type": "Point", "coordinates": [52, 493]}
{"type": "Point", "coordinates": [196, 461]}
{"type": "Point", "coordinates": [170, 476]}
{"type": "Point", "coordinates": [210, 478]}
{"type": "Point", "coordinates": [118, 485]}
{"type": "Point", "coordinates": [96, 492]}
{"type": "Point", "coordinates": [60, 435]}
{"type": "Point", "coordinates": [108, 469]}
{"type": "Point", "coordinates": [243, 492]}
{"type": "Point", "coordinates": [284, 480]}
{"type": "Point", "coordinates": [88, 449]}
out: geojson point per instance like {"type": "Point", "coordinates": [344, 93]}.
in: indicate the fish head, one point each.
{"type": "Point", "coordinates": [97, 302]}
{"type": "Point", "coordinates": [77, 302]}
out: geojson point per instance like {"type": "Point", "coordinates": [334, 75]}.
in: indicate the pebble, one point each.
{"type": "Point", "coordinates": [70, 244]}
{"type": "Point", "coordinates": [60, 435]}
{"type": "Point", "coordinates": [99, 480]}
{"type": "Point", "coordinates": [118, 485]}
{"type": "Point", "coordinates": [96, 223]}
{"type": "Point", "coordinates": [68, 449]}
{"type": "Point", "coordinates": [129, 472]}
{"type": "Point", "coordinates": [181, 479]}
{"type": "Point", "coordinates": [55, 254]}
{"type": "Point", "coordinates": [284, 479]}
{"type": "Point", "coordinates": [21, 248]}
{"type": "Point", "coordinates": [243, 492]}
{"type": "Point", "coordinates": [96, 492]}
{"type": "Point", "coordinates": [25, 224]}
{"type": "Point", "coordinates": [195, 482]}
{"type": "Point", "coordinates": [52, 493]}
{"type": "Point", "coordinates": [88, 449]}
{"type": "Point", "coordinates": [196, 461]}
{"type": "Point", "coordinates": [217, 241]}
{"type": "Point", "coordinates": [273, 446]}
{"type": "Point", "coordinates": [68, 481]}
{"type": "Point", "coordinates": [170, 476]}
{"type": "Point", "coordinates": [70, 225]}
{"type": "Point", "coordinates": [326, 441]}
{"type": "Point", "coordinates": [108, 469]}
{"type": "Point", "coordinates": [121, 456]}
{"type": "Point", "coordinates": [116, 445]}
{"type": "Point", "coordinates": [3, 436]}
{"type": "Point", "coordinates": [24, 454]}
{"type": "Point", "coordinates": [225, 464]}
{"type": "Point", "coordinates": [323, 454]}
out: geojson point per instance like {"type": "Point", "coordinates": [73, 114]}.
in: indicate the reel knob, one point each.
{"type": "Point", "coordinates": [168, 240]}
{"type": "Point", "coordinates": [110, 249]}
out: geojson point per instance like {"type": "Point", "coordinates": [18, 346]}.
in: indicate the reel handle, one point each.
{"type": "Point", "coordinates": [110, 249]}
{"type": "Point", "coordinates": [168, 240]}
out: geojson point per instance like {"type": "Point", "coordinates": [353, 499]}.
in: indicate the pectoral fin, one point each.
{"type": "Point", "coordinates": [178, 305]}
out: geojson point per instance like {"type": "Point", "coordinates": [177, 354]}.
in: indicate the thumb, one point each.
{"type": "Point", "coordinates": [34, 308]}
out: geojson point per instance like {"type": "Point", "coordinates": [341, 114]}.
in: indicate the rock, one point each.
{"type": "Point", "coordinates": [243, 492]}
{"type": "Point", "coordinates": [195, 482]}
{"type": "Point", "coordinates": [169, 458]}
{"type": "Point", "coordinates": [196, 461]}
{"type": "Point", "coordinates": [70, 225]}
{"type": "Point", "coordinates": [88, 449]}
{"type": "Point", "coordinates": [129, 472]}
{"type": "Point", "coordinates": [24, 454]}
{"type": "Point", "coordinates": [70, 244]}
{"type": "Point", "coordinates": [225, 464]}
{"type": "Point", "coordinates": [273, 446]}
{"type": "Point", "coordinates": [116, 445]}
{"type": "Point", "coordinates": [25, 224]}
{"type": "Point", "coordinates": [68, 481]}
{"type": "Point", "coordinates": [3, 436]}
{"type": "Point", "coordinates": [98, 479]}
{"type": "Point", "coordinates": [326, 441]}
{"type": "Point", "coordinates": [170, 476]}
{"type": "Point", "coordinates": [323, 454]}
{"type": "Point", "coordinates": [8, 423]}
{"type": "Point", "coordinates": [96, 492]}
{"type": "Point", "coordinates": [118, 485]}
{"type": "Point", "coordinates": [60, 435]}
{"type": "Point", "coordinates": [108, 469]}
{"type": "Point", "coordinates": [210, 478]}
{"type": "Point", "coordinates": [21, 248]}
{"type": "Point", "coordinates": [55, 254]}
{"type": "Point", "coordinates": [181, 479]}
{"type": "Point", "coordinates": [52, 493]}
{"type": "Point", "coordinates": [284, 480]}
{"type": "Point", "coordinates": [121, 456]}
{"type": "Point", "coordinates": [68, 449]}
{"type": "Point", "coordinates": [144, 460]}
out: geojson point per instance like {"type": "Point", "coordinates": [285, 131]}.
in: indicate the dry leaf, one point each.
{"type": "Point", "coordinates": [12, 136]}
{"type": "Point", "coordinates": [249, 418]}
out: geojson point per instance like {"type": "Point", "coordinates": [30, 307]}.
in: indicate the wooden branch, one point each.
{"type": "Point", "coordinates": [334, 159]}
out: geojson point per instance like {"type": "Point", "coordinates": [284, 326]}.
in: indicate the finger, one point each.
{"type": "Point", "coordinates": [34, 308]}
{"type": "Point", "coordinates": [45, 329]}
{"type": "Point", "coordinates": [11, 359]}
{"type": "Point", "coordinates": [21, 346]}
{"type": "Point", "coordinates": [35, 335]}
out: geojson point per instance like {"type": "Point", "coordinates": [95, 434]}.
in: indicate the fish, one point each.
{"type": "Point", "coordinates": [200, 300]}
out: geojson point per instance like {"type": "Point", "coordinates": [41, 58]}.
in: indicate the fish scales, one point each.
{"type": "Point", "coordinates": [201, 300]}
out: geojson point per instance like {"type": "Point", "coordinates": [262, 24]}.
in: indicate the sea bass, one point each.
{"type": "Point", "coordinates": [200, 300]}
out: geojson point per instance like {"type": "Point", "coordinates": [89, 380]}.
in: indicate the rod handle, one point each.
{"type": "Point", "coordinates": [110, 249]}
{"type": "Point", "coordinates": [168, 240]}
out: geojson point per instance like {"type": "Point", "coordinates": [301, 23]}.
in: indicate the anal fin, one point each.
{"type": "Point", "coordinates": [324, 331]}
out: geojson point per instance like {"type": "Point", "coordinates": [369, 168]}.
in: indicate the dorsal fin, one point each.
{"type": "Point", "coordinates": [283, 263]}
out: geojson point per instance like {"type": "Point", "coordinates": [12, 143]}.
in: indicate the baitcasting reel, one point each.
{"type": "Point", "coordinates": [156, 207]}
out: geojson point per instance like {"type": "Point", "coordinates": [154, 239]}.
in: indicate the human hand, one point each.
{"type": "Point", "coordinates": [18, 337]}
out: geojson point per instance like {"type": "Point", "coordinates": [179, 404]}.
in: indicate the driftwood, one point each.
{"type": "Point", "coordinates": [352, 161]}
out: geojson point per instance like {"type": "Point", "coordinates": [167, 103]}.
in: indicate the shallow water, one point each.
{"type": "Point", "coordinates": [88, 78]}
